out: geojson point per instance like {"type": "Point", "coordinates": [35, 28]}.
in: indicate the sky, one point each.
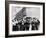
{"type": "Point", "coordinates": [30, 11]}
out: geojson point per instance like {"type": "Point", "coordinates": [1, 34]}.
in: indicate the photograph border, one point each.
{"type": "Point", "coordinates": [7, 18]}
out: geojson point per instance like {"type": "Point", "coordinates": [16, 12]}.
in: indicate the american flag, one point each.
{"type": "Point", "coordinates": [21, 14]}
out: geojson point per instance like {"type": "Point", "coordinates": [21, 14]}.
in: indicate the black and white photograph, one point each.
{"type": "Point", "coordinates": [25, 19]}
